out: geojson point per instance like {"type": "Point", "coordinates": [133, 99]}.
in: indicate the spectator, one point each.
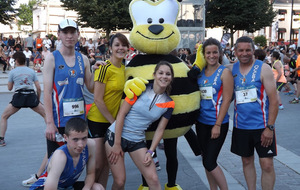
{"type": "Point", "coordinates": [39, 43]}
{"type": "Point", "coordinates": [28, 55]}
{"type": "Point", "coordinates": [37, 59]}
{"type": "Point", "coordinates": [18, 44]}
{"type": "Point", "coordinates": [47, 42]}
{"type": "Point", "coordinates": [58, 43]}
{"type": "Point", "coordinates": [11, 42]}
{"type": "Point", "coordinates": [3, 60]}
{"type": "Point", "coordinates": [52, 43]}
{"type": "Point", "coordinates": [29, 42]}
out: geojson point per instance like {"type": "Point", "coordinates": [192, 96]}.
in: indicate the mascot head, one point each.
{"type": "Point", "coordinates": [154, 26]}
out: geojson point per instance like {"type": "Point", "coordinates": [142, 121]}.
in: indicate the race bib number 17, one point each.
{"type": "Point", "coordinates": [246, 96]}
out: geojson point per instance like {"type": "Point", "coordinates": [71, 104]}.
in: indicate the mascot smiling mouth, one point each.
{"type": "Point", "coordinates": [156, 38]}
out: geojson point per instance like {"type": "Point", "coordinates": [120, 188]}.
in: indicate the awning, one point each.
{"type": "Point", "coordinates": [282, 11]}
{"type": "Point", "coordinates": [296, 12]}
{"type": "Point", "coordinates": [281, 30]}
{"type": "Point", "coordinates": [295, 31]}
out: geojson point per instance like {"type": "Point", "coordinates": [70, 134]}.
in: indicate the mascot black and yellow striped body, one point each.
{"type": "Point", "coordinates": [185, 92]}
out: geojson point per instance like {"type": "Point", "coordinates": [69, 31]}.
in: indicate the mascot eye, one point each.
{"type": "Point", "coordinates": [161, 20]}
{"type": "Point", "coordinates": [149, 20]}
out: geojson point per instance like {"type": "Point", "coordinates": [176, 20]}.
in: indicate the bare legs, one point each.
{"type": "Point", "coordinates": [102, 167]}
{"type": "Point", "coordinates": [216, 179]}
{"type": "Point", "coordinates": [267, 176]}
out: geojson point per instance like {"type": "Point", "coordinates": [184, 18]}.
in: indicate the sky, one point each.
{"type": "Point", "coordinates": [18, 2]}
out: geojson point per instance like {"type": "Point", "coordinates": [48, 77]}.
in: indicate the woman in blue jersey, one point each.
{"type": "Point", "coordinates": [127, 133]}
{"type": "Point", "coordinates": [216, 86]}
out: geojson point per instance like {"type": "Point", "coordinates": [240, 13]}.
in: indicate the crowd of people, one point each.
{"type": "Point", "coordinates": [113, 128]}
{"type": "Point", "coordinates": [36, 50]}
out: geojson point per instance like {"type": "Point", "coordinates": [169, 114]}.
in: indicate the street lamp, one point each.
{"type": "Point", "coordinates": [291, 22]}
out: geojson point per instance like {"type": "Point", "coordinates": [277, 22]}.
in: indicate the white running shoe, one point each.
{"type": "Point", "coordinates": [281, 107]}
{"type": "Point", "coordinates": [30, 181]}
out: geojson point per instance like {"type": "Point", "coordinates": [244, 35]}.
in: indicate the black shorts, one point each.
{"type": "Point", "coordinates": [244, 141]}
{"type": "Point", "coordinates": [127, 146]}
{"type": "Point", "coordinates": [97, 129]}
{"type": "Point", "coordinates": [279, 86]}
{"type": "Point", "coordinates": [24, 99]}
{"type": "Point", "coordinates": [53, 145]}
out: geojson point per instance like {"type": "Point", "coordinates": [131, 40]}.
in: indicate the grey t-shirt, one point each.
{"type": "Point", "coordinates": [22, 77]}
{"type": "Point", "coordinates": [29, 41]}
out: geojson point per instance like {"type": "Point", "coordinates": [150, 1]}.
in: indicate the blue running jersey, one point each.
{"type": "Point", "coordinates": [67, 94]}
{"type": "Point", "coordinates": [70, 173]}
{"type": "Point", "coordinates": [251, 101]}
{"type": "Point", "coordinates": [211, 89]}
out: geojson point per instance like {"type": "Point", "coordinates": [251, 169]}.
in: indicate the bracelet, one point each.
{"type": "Point", "coordinates": [150, 152]}
{"type": "Point", "coordinates": [217, 125]}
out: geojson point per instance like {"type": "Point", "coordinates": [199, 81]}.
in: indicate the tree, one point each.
{"type": "Point", "coordinates": [7, 11]}
{"type": "Point", "coordinates": [25, 13]}
{"type": "Point", "coordinates": [236, 15]}
{"type": "Point", "coordinates": [260, 40]}
{"type": "Point", "coordinates": [108, 15]}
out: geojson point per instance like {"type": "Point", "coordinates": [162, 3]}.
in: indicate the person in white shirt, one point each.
{"type": "Point", "coordinates": [91, 45]}
{"type": "Point", "coordinates": [28, 55]}
{"type": "Point", "coordinates": [47, 42]}
{"type": "Point", "coordinates": [57, 44]}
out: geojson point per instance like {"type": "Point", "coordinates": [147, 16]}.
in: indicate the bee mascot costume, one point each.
{"type": "Point", "coordinates": [155, 33]}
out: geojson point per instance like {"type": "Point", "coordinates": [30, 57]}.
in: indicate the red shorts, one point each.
{"type": "Point", "coordinates": [37, 61]}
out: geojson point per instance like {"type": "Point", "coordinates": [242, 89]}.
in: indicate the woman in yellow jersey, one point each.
{"type": "Point", "coordinates": [109, 84]}
{"type": "Point", "coordinates": [278, 72]}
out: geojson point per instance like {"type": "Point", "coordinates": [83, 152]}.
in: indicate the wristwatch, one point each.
{"type": "Point", "coordinates": [151, 153]}
{"type": "Point", "coordinates": [271, 127]}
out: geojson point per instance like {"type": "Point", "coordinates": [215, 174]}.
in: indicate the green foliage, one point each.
{"type": "Point", "coordinates": [50, 36]}
{"type": "Point", "coordinates": [108, 15]}
{"type": "Point", "coordinates": [25, 13]}
{"type": "Point", "coordinates": [7, 11]}
{"type": "Point", "coordinates": [261, 40]}
{"type": "Point", "coordinates": [236, 15]}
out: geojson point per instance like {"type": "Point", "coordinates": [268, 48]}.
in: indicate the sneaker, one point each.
{"type": "Point", "coordinates": [281, 107]}
{"type": "Point", "coordinates": [4, 72]}
{"type": "Point", "coordinates": [2, 142]}
{"type": "Point", "coordinates": [157, 166]}
{"type": "Point", "coordinates": [30, 181]}
{"type": "Point", "coordinates": [289, 93]}
{"type": "Point", "coordinates": [294, 101]}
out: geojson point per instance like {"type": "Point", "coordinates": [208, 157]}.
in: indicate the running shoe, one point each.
{"type": "Point", "coordinates": [30, 181]}
{"type": "Point", "coordinates": [2, 142]}
{"type": "Point", "coordinates": [289, 93]}
{"type": "Point", "coordinates": [281, 107]}
{"type": "Point", "coordinates": [294, 101]}
{"type": "Point", "coordinates": [157, 166]}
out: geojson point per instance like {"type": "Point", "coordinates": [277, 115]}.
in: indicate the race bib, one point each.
{"type": "Point", "coordinates": [246, 95]}
{"type": "Point", "coordinates": [73, 108]}
{"type": "Point", "coordinates": [206, 92]}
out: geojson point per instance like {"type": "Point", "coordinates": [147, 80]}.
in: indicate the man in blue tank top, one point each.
{"type": "Point", "coordinates": [65, 73]}
{"type": "Point", "coordinates": [68, 161]}
{"type": "Point", "coordinates": [256, 108]}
